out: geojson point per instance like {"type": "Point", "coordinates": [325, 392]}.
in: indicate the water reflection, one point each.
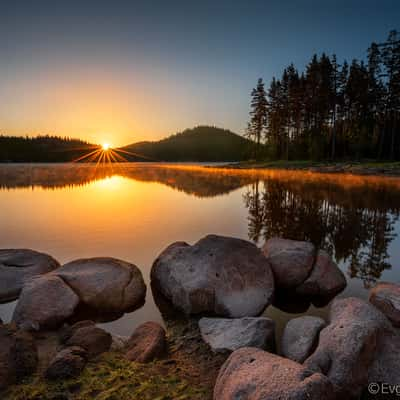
{"type": "Point", "coordinates": [352, 217]}
{"type": "Point", "coordinates": [355, 223]}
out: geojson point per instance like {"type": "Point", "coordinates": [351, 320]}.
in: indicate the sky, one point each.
{"type": "Point", "coordinates": [126, 71]}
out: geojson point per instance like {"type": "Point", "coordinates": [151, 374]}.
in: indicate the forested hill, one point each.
{"type": "Point", "coordinates": [42, 149]}
{"type": "Point", "coordinates": [202, 143]}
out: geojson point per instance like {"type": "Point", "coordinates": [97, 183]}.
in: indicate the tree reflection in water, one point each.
{"type": "Point", "coordinates": [354, 224]}
{"type": "Point", "coordinates": [352, 217]}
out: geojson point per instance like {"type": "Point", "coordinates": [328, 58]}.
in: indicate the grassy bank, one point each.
{"type": "Point", "coordinates": [187, 372]}
{"type": "Point", "coordinates": [354, 167]}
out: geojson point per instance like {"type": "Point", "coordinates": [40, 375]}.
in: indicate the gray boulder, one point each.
{"type": "Point", "coordinates": [223, 334]}
{"type": "Point", "coordinates": [253, 374]}
{"type": "Point", "coordinates": [291, 261]}
{"type": "Point", "coordinates": [385, 367]}
{"type": "Point", "coordinates": [88, 336]}
{"type": "Point", "coordinates": [325, 280]}
{"type": "Point", "coordinates": [226, 276]}
{"type": "Point", "coordinates": [347, 346]}
{"type": "Point", "coordinates": [147, 342]}
{"type": "Point", "coordinates": [105, 284]}
{"type": "Point", "coordinates": [17, 266]}
{"type": "Point", "coordinates": [300, 337]}
{"type": "Point", "coordinates": [386, 297]}
{"type": "Point", "coordinates": [45, 303]}
{"type": "Point", "coordinates": [68, 363]}
{"type": "Point", "coordinates": [18, 355]}
{"type": "Point", "coordinates": [98, 286]}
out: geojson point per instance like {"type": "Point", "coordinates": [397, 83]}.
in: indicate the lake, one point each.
{"type": "Point", "coordinates": [132, 211]}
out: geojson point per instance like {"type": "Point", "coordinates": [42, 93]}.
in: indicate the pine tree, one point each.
{"type": "Point", "coordinates": [258, 115]}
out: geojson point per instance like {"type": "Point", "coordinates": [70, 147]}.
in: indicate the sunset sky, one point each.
{"type": "Point", "coordinates": [123, 71]}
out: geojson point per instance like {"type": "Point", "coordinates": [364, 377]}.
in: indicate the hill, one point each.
{"type": "Point", "coordinates": [202, 143]}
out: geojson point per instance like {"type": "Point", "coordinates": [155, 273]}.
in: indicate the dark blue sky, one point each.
{"type": "Point", "coordinates": [127, 70]}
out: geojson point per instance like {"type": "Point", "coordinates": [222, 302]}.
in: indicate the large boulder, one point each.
{"type": "Point", "coordinates": [88, 336]}
{"type": "Point", "coordinates": [45, 302]}
{"type": "Point", "coordinates": [385, 367]}
{"type": "Point", "coordinates": [226, 276]}
{"type": "Point", "coordinates": [325, 280]}
{"type": "Point", "coordinates": [147, 342]}
{"type": "Point", "coordinates": [105, 283]}
{"type": "Point", "coordinates": [300, 337]}
{"type": "Point", "coordinates": [253, 374]}
{"type": "Point", "coordinates": [68, 363]}
{"type": "Point", "coordinates": [347, 346]}
{"type": "Point", "coordinates": [224, 334]}
{"type": "Point", "coordinates": [291, 261]}
{"type": "Point", "coordinates": [386, 297]}
{"type": "Point", "coordinates": [18, 355]}
{"type": "Point", "coordinates": [17, 266]}
{"type": "Point", "coordinates": [96, 286]}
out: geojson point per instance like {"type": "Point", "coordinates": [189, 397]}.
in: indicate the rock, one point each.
{"type": "Point", "coordinates": [253, 374]}
{"type": "Point", "coordinates": [18, 355]}
{"type": "Point", "coordinates": [386, 297]}
{"type": "Point", "coordinates": [91, 338]}
{"type": "Point", "coordinates": [386, 365]}
{"type": "Point", "coordinates": [223, 334]}
{"type": "Point", "coordinates": [68, 363]}
{"type": "Point", "coordinates": [347, 346]}
{"type": "Point", "coordinates": [226, 276]}
{"type": "Point", "coordinates": [291, 261]}
{"type": "Point", "coordinates": [118, 342]}
{"type": "Point", "coordinates": [67, 331]}
{"type": "Point", "coordinates": [300, 337]}
{"type": "Point", "coordinates": [105, 284]}
{"type": "Point", "coordinates": [146, 343]}
{"type": "Point", "coordinates": [325, 280]}
{"type": "Point", "coordinates": [45, 302]}
{"type": "Point", "coordinates": [17, 266]}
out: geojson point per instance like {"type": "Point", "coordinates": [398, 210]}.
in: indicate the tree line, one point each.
{"type": "Point", "coordinates": [42, 148]}
{"type": "Point", "coordinates": [331, 110]}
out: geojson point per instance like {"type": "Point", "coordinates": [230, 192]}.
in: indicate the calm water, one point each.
{"type": "Point", "coordinates": [133, 211]}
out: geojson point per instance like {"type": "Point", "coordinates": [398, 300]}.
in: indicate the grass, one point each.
{"type": "Point", "coordinates": [186, 372]}
{"type": "Point", "coordinates": [111, 377]}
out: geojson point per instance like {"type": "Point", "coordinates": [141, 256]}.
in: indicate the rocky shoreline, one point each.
{"type": "Point", "coordinates": [214, 345]}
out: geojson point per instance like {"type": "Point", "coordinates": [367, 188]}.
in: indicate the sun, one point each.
{"type": "Point", "coordinates": [105, 146]}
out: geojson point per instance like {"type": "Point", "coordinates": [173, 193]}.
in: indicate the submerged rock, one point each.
{"type": "Point", "coordinates": [386, 297]}
{"type": "Point", "coordinates": [105, 283]}
{"type": "Point", "coordinates": [17, 266]}
{"type": "Point", "coordinates": [253, 374]}
{"type": "Point", "coordinates": [45, 303]}
{"type": "Point", "coordinates": [325, 280]}
{"type": "Point", "coordinates": [347, 346]}
{"type": "Point", "coordinates": [147, 342]}
{"type": "Point", "coordinates": [291, 261]}
{"type": "Point", "coordinates": [68, 363]}
{"type": "Point", "coordinates": [87, 335]}
{"type": "Point", "coordinates": [224, 334]}
{"type": "Point", "coordinates": [227, 276]}
{"type": "Point", "coordinates": [300, 337]}
{"type": "Point", "coordinates": [18, 355]}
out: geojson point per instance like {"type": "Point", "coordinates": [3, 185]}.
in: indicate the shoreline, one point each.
{"type": "Point", "coordinates": [390, 169]}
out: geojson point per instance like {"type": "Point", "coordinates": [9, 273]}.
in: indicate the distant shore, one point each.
{"type": "Point", "coordinates": [353, 167]}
